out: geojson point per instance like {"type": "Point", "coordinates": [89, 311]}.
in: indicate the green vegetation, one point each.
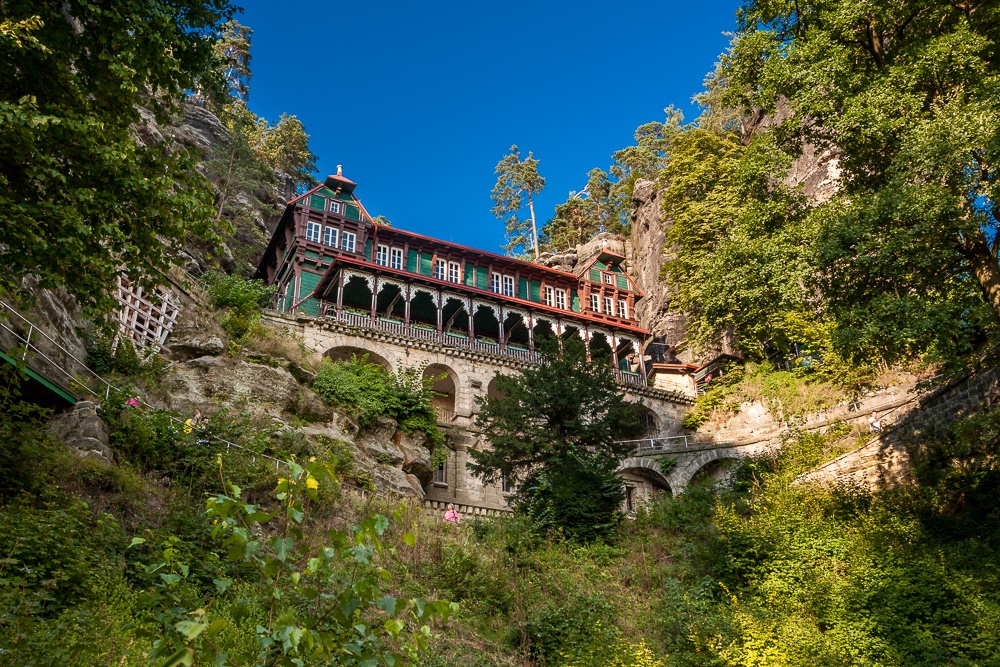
{"type": "Point", "coordinates": [368, 391]}
{"type": "Point", "coordinates": [554, 431]}
{"type": "Point", "coordinates": [76, 79]}
{"type": "Point", "coordinates": [518, 181]}
{"type": "Point", "coordinates": [242, 301]}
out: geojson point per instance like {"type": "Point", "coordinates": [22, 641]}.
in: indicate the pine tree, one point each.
{"type": "Point", "coordinates": [518, 181]}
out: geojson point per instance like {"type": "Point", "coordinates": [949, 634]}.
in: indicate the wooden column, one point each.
{"type": "Point", "coordinates": [406, 313]}
{"type": "Point", "coordinates": [440, 309]}
{"type": "Point", "coordinates": [340, 293]}
{"type": "Point", "coordinates": [374, 295]}
{"type": "Point", "coordinates": [501, 342]}
{"type": "Point", "coordinates": [472, 313]}
{"type": "Point", "coordinates": [531, 332]}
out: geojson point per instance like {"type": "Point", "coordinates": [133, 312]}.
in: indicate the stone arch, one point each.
{"type": "Point", "coordinates": [650, 421]}
{"type": "Point", "coordinates": [347, 352]}
{"type": "Point", "coordinates": [644, 476]}
{"type": "Point", "coordinates": [493, 390]}
{"type": "Point", "coordinates": [713, 466]}
{"type": "Point", "coordinates": [445, 390]}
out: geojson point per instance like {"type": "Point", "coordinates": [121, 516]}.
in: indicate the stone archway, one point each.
{"type": "Point", "coordinates": [348, 352]}
{"type": "Point", "coordinates": [644, 480]}
{"type": "Point", "coordinates": [446, 387]}
{"type": "Point", "coordinates": [711, 466]}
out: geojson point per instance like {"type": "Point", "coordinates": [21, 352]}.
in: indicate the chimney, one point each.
{"type": "Point", "coordinates": [340, 170]}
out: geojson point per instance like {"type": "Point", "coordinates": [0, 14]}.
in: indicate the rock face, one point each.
{"type": "Point", "coordinates": [210, 382]}
{"type": "Point", "coordinates": [646, 257]}
{"type": "Point", "coordinates": [84, 432]}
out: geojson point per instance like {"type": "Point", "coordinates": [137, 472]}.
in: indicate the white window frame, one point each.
{"type": "Point", "coordinates": [330, 236]}
{"type": "Point", "coordinates": [561, 299]}
{"type": "Point", "coordinates": [508, 285]}
{"type": "Point", "coordinates": [609, 278]}
{"type": "Point", "coordinates": [550, 296]}
{"type": "Point", "coordinates": [454, 272]}
{"type": "Point", "coordinates": [314, 231]}
{"type": "Point", "coordinates": [334, 206]}
{"type": "Point", "coordinates": [396, 258]}
{"type": "Point", "coordinates": [348, 241]}
{"type": "Point", "coordinates": [382, 255]}
{"type": "Point", "coordinates": [609, 305]}
{"type": "Point", "coordinates": [441, 269]}
{"type": "Point", "coordinates": [595, 302]}
{"type": "Point", "coordinates": [496, 283]}
{"type": "Point", "coordinates": [623, 309]}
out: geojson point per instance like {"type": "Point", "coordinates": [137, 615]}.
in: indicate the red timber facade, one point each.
{"type": "Point", "coordinates": [329, 259]}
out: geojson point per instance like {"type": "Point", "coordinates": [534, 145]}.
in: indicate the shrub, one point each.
{"type": "Point", "coordinates": [242, 300]}
{"type": "Point", "coordinates": [474, 582]}
{"type": "Point", "coordinates": [578, 631]}
{"type": "Point", "coordinates": [369, 391]}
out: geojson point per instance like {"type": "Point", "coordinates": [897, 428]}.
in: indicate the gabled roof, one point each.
{"type": "Point", "coordinates": [608, 258]}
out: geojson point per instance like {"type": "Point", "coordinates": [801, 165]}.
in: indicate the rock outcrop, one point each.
{"type": "Point", "coordinates": [84, 432]}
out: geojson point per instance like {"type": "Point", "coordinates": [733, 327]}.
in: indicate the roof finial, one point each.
{"type": "Point", "coordinates": [340, 170]}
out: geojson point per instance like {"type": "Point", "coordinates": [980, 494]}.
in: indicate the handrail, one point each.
{"type": "Point", "coordinates": [29, 346]}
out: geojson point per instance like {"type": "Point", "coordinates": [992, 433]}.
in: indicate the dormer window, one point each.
{"type": "Point", "coordinates": [609, 278]}
{"type": "Point", "coordinates": [334, 206]}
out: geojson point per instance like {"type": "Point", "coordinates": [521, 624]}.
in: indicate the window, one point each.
{"type": "Point", "coordinates": [508, 285]}
{"type": "Point", "coordinates": [561, 299]}
{"type": "Point", "coordinates": [609, 278]}
{"type": "Point", "coordinates": [347, 241]}
{"type": "Point", "coordinates": [334, 206]}
{"type": "Point", "coordinates": [609, 305]}
{"type": "Point", "coordinates": [595, 303]}
{"type": "Point", "coordinates": [313, 231]}
{"type": "Point", "coordinates": [330, 237]}
{"type": "Point", "coordinates": [441, 474]}
{"type": "Point", "coordinates": [495, 283]}
{"type": "Point", "coordinates": [382, 256]}
{"type": "Point", "coordinates": [549, 296]}
{"type": "Point", "coordinates": [396, 258]}
{"type": "Point", "coordinates": [623, 309]}
{"type": "Point", "coordinates": [454, 272]}
{"type": "Point", "coordinates": [506, 484]}
{"type": "Point", "coordinates": [440, 268]}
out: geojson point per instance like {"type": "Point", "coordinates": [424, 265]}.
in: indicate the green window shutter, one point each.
{"type": "Point", "coordinates": [368, 250]}
{"type": "Point", "coordinates": [600, 266]}
{"type": "Point", "coordinates": [289, 295]}
{"type": "Point", "coordinates": [352, 212]}
{"type": "Point", "coordinates": [482, 281]}
{"type": "Point", "coordinates": [425, 263]}
{"type": "Point", "coordinates": [310, 307]}
{"type": "Point", "coordinates": [522, 289]}
{"type": "Point", "coordinates": [317, 202]}
{"type": "Point", "coordinates": [412, 260]}
{"type": "Point", "coordinates": [595, 275]}
{"type": "Point", "coordinates": [307, 283]}
{"type": "Point", "coordinates": [574, 301]}
{"type": "Point", "coordinates": [535, 293]}
{"type": "Point", "coordinates": [470, 274]}
{"type": "Point", "coordinates": [622, 282]}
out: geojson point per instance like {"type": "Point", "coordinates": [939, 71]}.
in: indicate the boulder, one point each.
{"type": "Point", "coordinates": [416, 456]}
{"type": "Point", "coordinates": [84, 432]}
{"type": "Point", "coordinates": [213, 382]}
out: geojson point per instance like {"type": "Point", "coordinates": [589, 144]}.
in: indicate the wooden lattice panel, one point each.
{"type": "Point", "coordinates": [145, 322]}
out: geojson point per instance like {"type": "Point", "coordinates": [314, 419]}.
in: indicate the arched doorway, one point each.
{"type": "Point", "coordinates": [716, 473]}
{"type": "Point", "coordinates": [445, 391]}
{"type": "Point", "coordinates": [348, 352]}
{"type": "Point", "coordinates": [650, 422]}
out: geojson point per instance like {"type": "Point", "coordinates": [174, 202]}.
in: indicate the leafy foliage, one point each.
{"type": "Point", "coordinates": [369, 391]}
{"type": "Point", "coordinates": [80, 196]}
{"type": "Point", "coordinates": [242, 300]}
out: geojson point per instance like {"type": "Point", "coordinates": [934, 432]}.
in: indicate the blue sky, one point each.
{"type": "Point", "coordinates": [419, 101]}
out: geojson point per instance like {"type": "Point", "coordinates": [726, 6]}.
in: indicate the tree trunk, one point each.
{"type": "Point", "coordinates": [534, 227]}
{"type": "Point", "coordinates": [985, 267]}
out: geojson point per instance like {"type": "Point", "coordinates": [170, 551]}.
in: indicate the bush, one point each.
{"type": "Point", "coordinates": [368, 391]}
{"type": "Point", "coordinates": [578, 631]}
{"type": "Point", "coordinates": [475, 583]}
{"type": "Point", "coordinates": [242, 300]}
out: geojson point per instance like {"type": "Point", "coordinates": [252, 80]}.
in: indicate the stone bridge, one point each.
{"type": "Point", "coordinates": [647, 472]}
{"type": "Point", "coordinates": [464, 373]}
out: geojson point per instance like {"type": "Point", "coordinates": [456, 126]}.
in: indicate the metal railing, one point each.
{"type": "Point", "coordinates": [673, 443]}
{"type": "Point", "coordinates": [98, 384]}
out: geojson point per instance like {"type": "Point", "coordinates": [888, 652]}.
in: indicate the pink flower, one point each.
{"type": "Point", "coordinates": [133, 402]}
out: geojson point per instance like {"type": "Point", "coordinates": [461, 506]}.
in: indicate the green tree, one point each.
{"type": "Point", "coordinates": [80, 196]}
{"type": "Point", "coordinates": [232, 52]}
{"type": "Point", "coordinates": [908, 92]}
{"type": "Point", "coordinates": [518, 181]}
{"type": "Point", "coordinates": [574, 223]}
{"type": "Point", "coordinates": [284, 146]}
{"type": "Point", "coordinates": [555, 432]}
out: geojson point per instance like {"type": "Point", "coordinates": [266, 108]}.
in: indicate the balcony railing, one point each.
{"type": "Point", "coordinates": [675, 443]}
{"type": "Point", "coordinates": [460, 340]}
